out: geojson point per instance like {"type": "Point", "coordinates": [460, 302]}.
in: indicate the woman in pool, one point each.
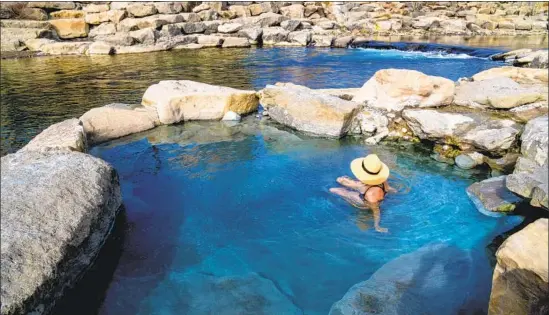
{"type": "Point", "coordinates": [370, 188]}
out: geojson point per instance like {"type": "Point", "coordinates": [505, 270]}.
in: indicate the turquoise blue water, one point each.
{"type": "Point", "coordinates": [214, 200]}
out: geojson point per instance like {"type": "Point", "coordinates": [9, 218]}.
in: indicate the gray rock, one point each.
{"type": "Point", "coordinates": [118, 39]}
{"type": "Point", "coordinates": [343, 42]}
{"type": "Point", "coordinates": [57, 5]}
{"type": "Point", "coordinates": [229, 28]}
{"type": "Point", "coordinates": [302, 38]}
{"type": "Point", "coordinates": [147, 36]}
{"type": "Point", "coordinates": [529, 179]}
{"type": "Point", "coordinates": [269, 19]}
{"type": "Point", "coordinates": [306, 110]}
{"type": "Point", "coordinates": [465, 162]}
{"type": "Point", "coordinates": [480, 130]}
{"type": "Point", "coordinates": [57, 209]}
{"type": "Point", "coordinates": [170, 30]}
{"type": "Point", "coordinates": [273, 35]}
{"type": "Point", "coordinates": [528, 112]}
{"type": "Point", "coordinates": [504, 164]}
{"type": "Point", "coordinates": [102, 29]}
{"type": "Point", "coordinates": [322, 40]}
{"type": "Point", "coordinates": [491, 195]}
{"type": "Point", "coordinates": [193, 28]}
{"type": "Point", "coordinates": [415, 283]}
{"type": "Point", "coordinates": [442, 159]}
{"type": "Point", "coordinates": [117, 120]}
{"type": "Point", "coordinates": [66, 135]}
{"type": "Point", "coordinates": [254, 34]}
{"type": "Point", "coordinates": [290, 25]}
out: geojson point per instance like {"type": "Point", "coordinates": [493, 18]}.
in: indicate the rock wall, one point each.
{"type": "Point", "coordinates": [134, 27]}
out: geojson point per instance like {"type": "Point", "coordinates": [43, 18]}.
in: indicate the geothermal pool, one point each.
{"type": "Point", "coordinates": [211, 200]}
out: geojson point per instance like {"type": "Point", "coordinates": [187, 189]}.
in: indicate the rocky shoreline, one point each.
{"type": "Point", "coordinates": [103, 28]}
{"type": "Point", "coordinates": [52, 190]}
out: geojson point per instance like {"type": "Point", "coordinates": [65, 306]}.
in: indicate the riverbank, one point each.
{"type": "Point", "coordinates": [68, 28]}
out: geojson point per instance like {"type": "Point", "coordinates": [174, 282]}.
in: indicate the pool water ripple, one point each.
{"type": "Point", "coordinates": [198, 203]}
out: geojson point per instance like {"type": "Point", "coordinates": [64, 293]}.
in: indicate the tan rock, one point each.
{"type": "Point", "coordinates": [396, 89]}
{"type": "Point", "coordinates": [519, 75]}
{"type": "Point", "coordinates": [97, 18]}
{"type": "Point", "coordinates": [306, 110]}
{"type": "Point", "coordinates": [141, 10]}
{"type": "Point", "coordinates": [116, 16]}
{"type": "Point", "coordinates": [184, 100]}
{"type": "Point", "coordinates": [117, 120]}
{"type": "Point", "coordinates": [70, 28]}
{"type": "Point", "coordinates": [235, 42]}
{"type": "Point", "coordinates": [36, 44]}
{"type": "Point", "coordinates": [521, 275]}
{"type": "Point", "coordinates": [96, 8]}
{"type": "Point", "coordinates": [259, 8]}
{"type": "Point", "coordinates": [57, 5]}
{"type": "Point", "coordinates": [101, 48]}
{"type": "Point", "coordinates": [240, 10]}
{"type": "Point", "coordinates": [65, 48]}
{"type": "Point", "coordinates": [138, 49]}
{"type": "Point", "coordinates": [294, 11]}
{"type": "Point", "coordinates": [66, 135]}
{"type": "Point", "coordinates": [67, 14]}
{"type": "Point", "coordinates": [210, 41]}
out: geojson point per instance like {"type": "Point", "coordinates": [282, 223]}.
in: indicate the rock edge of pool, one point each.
{"type": "Point", "coordinates": [59, 203]}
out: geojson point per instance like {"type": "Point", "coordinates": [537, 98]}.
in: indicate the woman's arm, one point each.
{"type": "Point", "coordinates": [377, 218]}
{"type": "Point", "coordinates": [388, 188]}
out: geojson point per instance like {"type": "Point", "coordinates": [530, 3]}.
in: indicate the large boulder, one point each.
{"type": "Point", "coordinates": [396, 89]}
{"type": "Point", "coordinates": [480, 130]}
{"type": "Point", "coordinates": [176, 101]}
{"type": "Point", "coordinates": [117, 120]}
{"type": "Point", "coordinates": [415, 283]}
{"type": "Point", "coordinates": [519, 75]}
{"type": "Point", "coordinates": [306, 110]}
{"type": "Point", "coordinates": [498, 93]}
{"type": "Point", "coordinates": [529, 179]}
{"type": "Point", "coordinates": [70, 28]}
{"type": "Point", "coordinates": [273, 35]}
{"type": "Point", "coordinates": [57, 209]}
{"type": "Point", "coordinates": [66, 135]}
{"type": "Point", "coordinates": [65, 48]}
{"type": "Point", "coordinates": [492, 196]}
{"type": "Point", "coordinates": [141, 9]}
{"type": "Point", "coordinates": [520, 281]}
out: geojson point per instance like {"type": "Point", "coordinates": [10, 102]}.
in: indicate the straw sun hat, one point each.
{"type": "Point", "coordinates": [370, 170]}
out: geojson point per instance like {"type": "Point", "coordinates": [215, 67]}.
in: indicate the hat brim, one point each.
{"type": "Point", "coordinates": [369, 179]}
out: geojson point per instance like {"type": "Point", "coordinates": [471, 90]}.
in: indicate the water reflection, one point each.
{"type": "Point", "coordinates": [37, 92]}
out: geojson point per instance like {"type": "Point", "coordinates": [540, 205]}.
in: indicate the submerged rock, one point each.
{"type": "Point", "coordinates": [491, 195]}
{"type": "Point", "coordinates": [480, 130]}
{"type": "Point", "coordinates": [396, 89]}
{"type": "Point", "coordinates": [117, 120]}
{"type": "Point", "coordinates": [415, 283]}
{"type": "Point", "coordinates": [200, 293]}
{"type": "Point", "coordinates": [66, 135]}
{"type": "Point", "coordinates": [57, 209]}
{"type": "Point", "coordinates": [176, 101]}
{"type": "Point", "coordinates": [520, 282]}
{"type": "Point", "coordinates": [306, 110]}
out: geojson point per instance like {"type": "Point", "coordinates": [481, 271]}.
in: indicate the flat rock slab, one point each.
{"type": "Point", "coordinates": [199, 293]}
{"type": "Point", "coordinates": [519, 75]}
{"type": "Point", "coordinates": [117, 120]}
{"type": "Point", "coordinates": [57, 208]}
{"type": "Point", "coordinates": [306, 110]}
{"type": "Point", "coordinates": [68, 134]}
{"type": "Point", "coordinates": [415, 283]}
{"type": "Point", "coordinates": [521, 275]}
{"type": "Point", "coordinates": [184, 100]}
{"type": "Point", "coordinates": [491, 195]}
{"type": "Point", "coordinates": [396, 89]}
{"type": "Point", "coordinates": [484, 132]}
{"type": "Point", "coordinates": [498, 92]}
